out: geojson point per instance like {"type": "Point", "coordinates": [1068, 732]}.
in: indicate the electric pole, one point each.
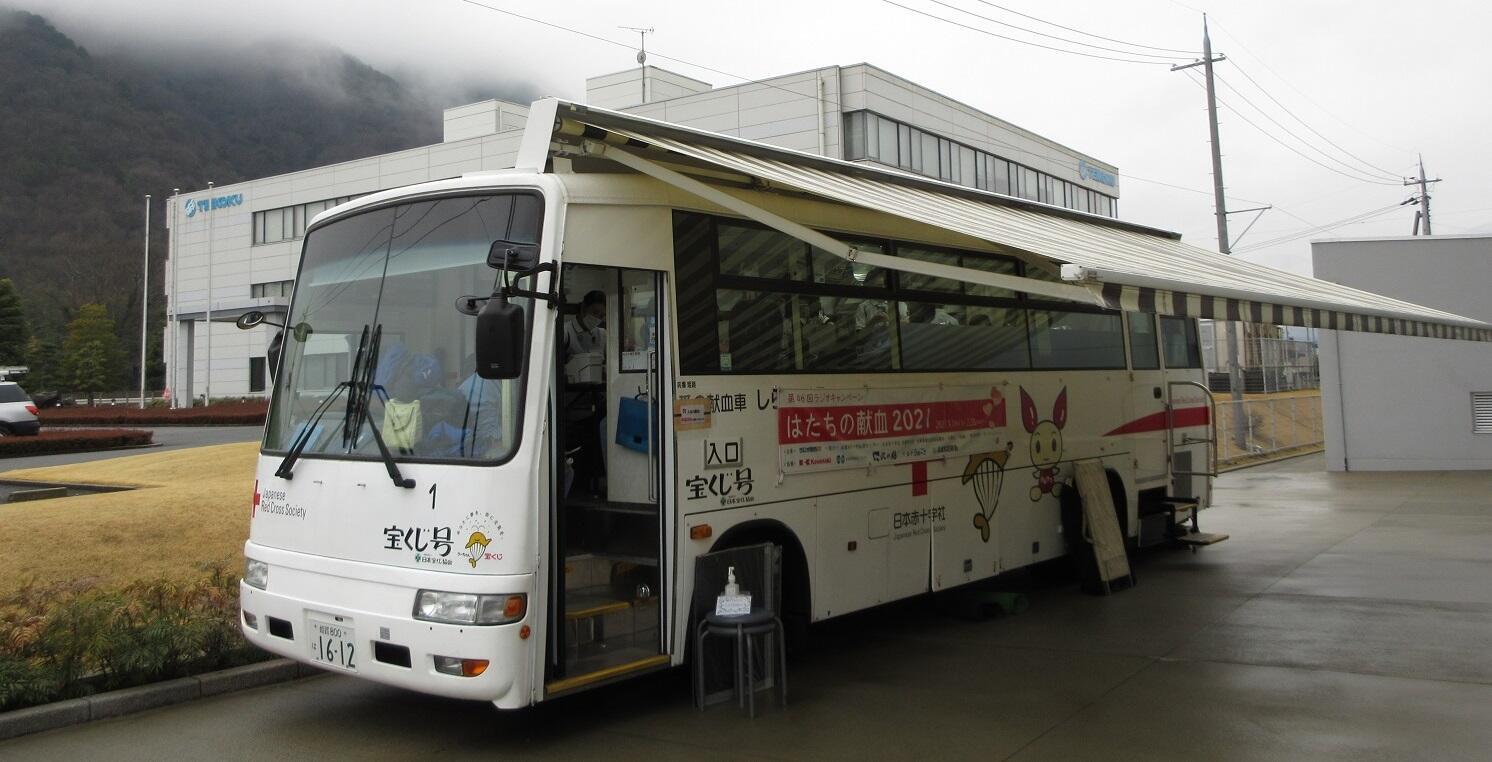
{"type": "Point", "coordinates": [1235, 364]}
{"type": "Point", "coordinates": [1424, 197]}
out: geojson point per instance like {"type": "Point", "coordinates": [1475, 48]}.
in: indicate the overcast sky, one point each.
{"type": "Point", "coordinates": [1381, 80]}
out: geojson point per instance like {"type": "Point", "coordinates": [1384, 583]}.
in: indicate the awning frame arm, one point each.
{"type": "Point", "coordinates": [835, 247]}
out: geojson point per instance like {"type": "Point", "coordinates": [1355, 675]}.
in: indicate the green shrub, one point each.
{"type": "Point", "coordinates": [63, 641]}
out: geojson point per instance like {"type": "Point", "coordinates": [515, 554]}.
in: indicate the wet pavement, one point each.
{"type": "Point", "coordinates": [1349, 617]}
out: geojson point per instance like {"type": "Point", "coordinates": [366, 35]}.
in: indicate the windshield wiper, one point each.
{"type": "Point", "coordinates": [358, 389]}
{"type": "Point", "coordinates": [285, 471]}
{"type": "Point", "coordinates": [362, 393]}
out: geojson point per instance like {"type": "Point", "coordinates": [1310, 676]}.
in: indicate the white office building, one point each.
{"type": "Point", "coordinates": [1396, 403]}
{"type": "Point", "coordinates": [235, 248]}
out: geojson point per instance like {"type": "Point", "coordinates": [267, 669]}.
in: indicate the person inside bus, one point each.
{"type": "Point", "coordinates": [584, 353]}
{"type": "Point", "coordinates": [923, 312]}
{"type": "Point", "coordinates": [474, 421]}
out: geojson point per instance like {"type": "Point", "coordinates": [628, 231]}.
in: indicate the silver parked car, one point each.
{"type": "Point", "coordinates": [17, 413]}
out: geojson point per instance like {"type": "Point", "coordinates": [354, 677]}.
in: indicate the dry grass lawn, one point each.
{"type": "Point", "coordinates": [191, 508]}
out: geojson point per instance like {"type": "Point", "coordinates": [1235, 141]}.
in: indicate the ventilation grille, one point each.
{"type": "Point", "coordinates": [1481, 412]}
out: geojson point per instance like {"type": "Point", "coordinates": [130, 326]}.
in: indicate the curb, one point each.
{"type": "Point", "coordinates": [118, 703]}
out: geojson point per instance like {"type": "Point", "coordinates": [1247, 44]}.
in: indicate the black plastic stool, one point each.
{"type": "Point", "coordinates": [742, 629]}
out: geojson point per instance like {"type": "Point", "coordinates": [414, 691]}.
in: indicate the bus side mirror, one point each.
{"type": "Point", "coordinates": [273, 351]}
{"type": "Point", "coordinates": [500, 339]}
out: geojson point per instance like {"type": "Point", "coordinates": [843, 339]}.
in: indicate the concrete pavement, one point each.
{"type": "Point", "coordinates": [1348, 618]}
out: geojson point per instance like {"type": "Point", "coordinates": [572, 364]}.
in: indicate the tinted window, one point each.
{"type": "Point", "coordinates": [1179, 338]}
{"type": "Point", "coordinates": [1076, 339]}
{"type": "Point", "coordinates": [12, 393]}
{"type": "Point", "coordinates": [960, 336]}
{"type": "Point", "coordinates": [1143, 353]}
{"type": "Point", "coordinates": [754, 252]}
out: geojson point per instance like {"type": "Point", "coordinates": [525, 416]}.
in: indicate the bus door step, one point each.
{"type": "Point", "coordinates": [1196, 540]}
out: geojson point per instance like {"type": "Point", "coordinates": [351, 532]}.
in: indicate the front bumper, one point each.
{"type": "Point", "coordinates": [378, 607]}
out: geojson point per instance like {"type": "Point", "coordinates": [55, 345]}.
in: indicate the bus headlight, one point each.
{"type": "Point", "coordinates": [256, 573]}
{"type": "Point", "coordinates": [469, 608]}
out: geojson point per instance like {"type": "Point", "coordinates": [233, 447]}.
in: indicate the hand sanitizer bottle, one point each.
{"type": "Point", "coordinates": [731, 588]}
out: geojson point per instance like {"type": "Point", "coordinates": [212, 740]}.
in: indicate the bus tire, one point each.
{"type": "Point", "coordinates": [797, 603]}
{"type": "Point", "coordinates": [1079, 550]}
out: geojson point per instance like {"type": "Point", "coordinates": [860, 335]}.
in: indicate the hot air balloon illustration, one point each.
{"type": "Point", "coordinates": [476, 546]}
{"type": "Point", "coordinates": [987, 472]}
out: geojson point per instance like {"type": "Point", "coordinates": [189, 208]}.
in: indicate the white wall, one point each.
{"type": "Point", "coordinates": [1395, 403]}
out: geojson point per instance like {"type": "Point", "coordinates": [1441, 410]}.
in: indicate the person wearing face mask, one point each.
{"type": "Point", "coordinates": [586, 331]}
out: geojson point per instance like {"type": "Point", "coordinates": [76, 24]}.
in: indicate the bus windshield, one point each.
{"type": "Point", "coordinates": [398, 271]}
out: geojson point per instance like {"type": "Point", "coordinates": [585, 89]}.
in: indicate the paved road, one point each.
{"type": "Point", "coordinates": [1346, 619]}
{"type": "Point", "coordinates": [169, 437]}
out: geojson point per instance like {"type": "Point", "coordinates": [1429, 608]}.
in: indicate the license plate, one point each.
{"type": "Point", "coordinates": [333, 642]}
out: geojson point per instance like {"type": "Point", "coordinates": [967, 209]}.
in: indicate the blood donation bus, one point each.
{"type": "Point", "coordinates": [511, 409]}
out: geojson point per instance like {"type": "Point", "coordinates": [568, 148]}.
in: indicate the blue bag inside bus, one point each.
{"type": "Point", "coordinates": [632, 424]}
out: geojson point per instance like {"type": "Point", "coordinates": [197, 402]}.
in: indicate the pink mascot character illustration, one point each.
{"type": "Point", "coordinates": [1046, 443]}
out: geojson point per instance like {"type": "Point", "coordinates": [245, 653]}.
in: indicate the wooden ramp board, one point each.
{"type": "Point", "coordinates": [1101, 525]}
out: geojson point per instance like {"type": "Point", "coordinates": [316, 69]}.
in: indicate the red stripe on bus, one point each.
{"type": "Point", "coordinates": [919, 478]}
{"type": "Point", "coordinates": [1187, 416]}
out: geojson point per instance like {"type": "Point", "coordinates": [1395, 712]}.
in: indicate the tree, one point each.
{"type": "Point", "coordinates": [91, 358]}
{"type": "Point", "coordinates": [41, 358]}
{"type": "Point", "coordinates": [13, 331]}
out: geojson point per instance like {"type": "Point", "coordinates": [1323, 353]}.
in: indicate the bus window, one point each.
{"type": "Point", "coordinates": [1076, 339]}
{"type": "Point", "coordinates": [846, 333]}
{"type": "Point", "coordinates": [962, 337]}
{"type": "Point", "coordinates": [1179, 336]}
{"type": "Point", "coordinates": [755, 331]}
{"type": "Point", "coordinates": [993, 265]}
{"type": "Point", "coordinates": [830, 270]}
{"type": "Point", "coordinates": [1143, 354]}
{"type": "Point", "coordinates": [753, 252]}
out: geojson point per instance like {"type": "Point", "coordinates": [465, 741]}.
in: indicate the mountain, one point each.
{"type": "Point", "coordinates": [83, 138]}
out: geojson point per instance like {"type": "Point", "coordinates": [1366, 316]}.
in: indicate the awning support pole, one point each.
{"type": "Point", "coordinates": [837, 248]}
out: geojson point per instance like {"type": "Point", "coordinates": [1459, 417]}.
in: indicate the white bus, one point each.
{"type": "Point", "coordinates": [512, 408]}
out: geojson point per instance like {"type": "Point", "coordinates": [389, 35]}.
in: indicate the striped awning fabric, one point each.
{"type": "Point", "coordinates": [1124, 266]}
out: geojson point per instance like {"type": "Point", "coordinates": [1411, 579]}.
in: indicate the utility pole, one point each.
{"type": "Point", "coordinates": [1235, 364]}
{"type": "Point", "coordinates": [1424, 197]}
{"type": "Point", "coordinates": [144, 301]}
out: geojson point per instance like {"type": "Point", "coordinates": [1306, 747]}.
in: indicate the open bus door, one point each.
{"type": "Point", "coordinates": [611, 431]}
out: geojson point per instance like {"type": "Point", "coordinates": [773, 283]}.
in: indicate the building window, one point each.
{"type": "Point", "coordinates": [256, 373]}
{"type": "Point", "coordinates": [871, 136]}
{"type": "Point", "coordinates": [275, 288]}
{"type": "Point", "coordinates": [288, 223]}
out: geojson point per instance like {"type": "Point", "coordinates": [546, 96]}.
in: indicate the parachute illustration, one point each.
{"type": "Point", "coordinates": [476, 546]}
{"type": "Point", "coordinates": [986, 471]}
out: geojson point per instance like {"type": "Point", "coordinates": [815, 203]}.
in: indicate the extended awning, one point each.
{"type": "Point", "coordinates": [1108, 262]}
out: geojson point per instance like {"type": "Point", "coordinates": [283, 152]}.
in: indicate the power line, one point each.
{"type": "Point", "coordinates": [1302, 93]}
{"type": "Point", "coordinates": [1085, 34]}
{"type": "Point", "coordinates": [1307, 125]}
{"type": "Point", "coordinates": [1016, 39]}
{"type": "Point", "coordinates": [1287, 146]}
{"type": "Point", "coordinates": [1303, 141]}
{"type": "Point", "coordinates": [1056, 37]}
{"type": "Point", "coordinates": [1361, 217]}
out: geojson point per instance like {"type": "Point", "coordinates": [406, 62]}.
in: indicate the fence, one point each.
{"type": "Point", "coordinates": [1269, 364]}
{"type": "Point", "coordinates": [1270, 424]}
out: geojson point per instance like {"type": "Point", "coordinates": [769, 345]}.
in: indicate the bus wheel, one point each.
{"type": "Point", "coordinates": [797, 610]}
